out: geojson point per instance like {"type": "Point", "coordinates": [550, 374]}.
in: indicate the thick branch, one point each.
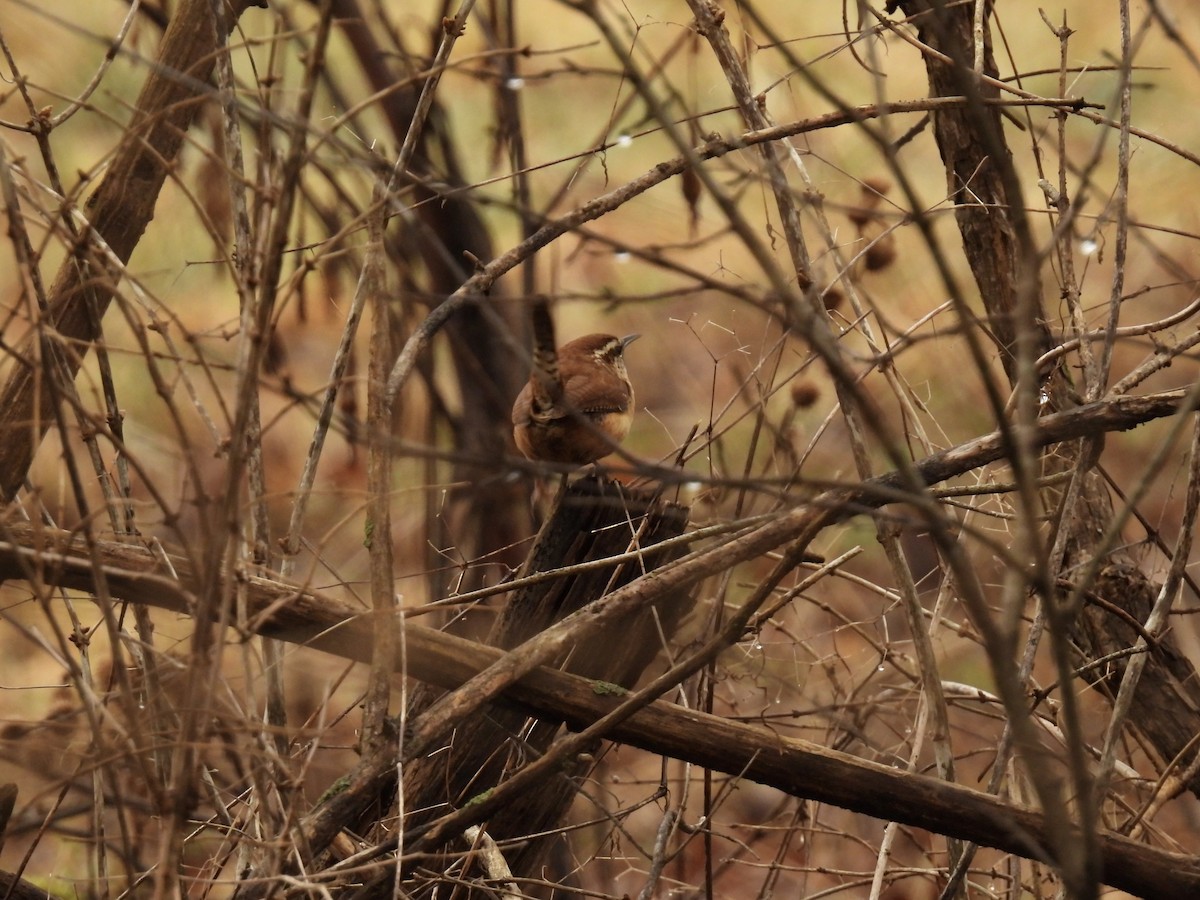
{"type": "Point", "coordinates": [301, 616]}
{"type": "Point", "coordinates": [118, 213]}
{"type": "Point", "coordinates": [798, 767]}
{"type": "Point", "coordinates": [999, 248]}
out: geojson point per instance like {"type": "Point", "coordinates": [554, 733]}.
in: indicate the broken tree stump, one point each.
{"type": "Point", "coordinates": [593, 519]}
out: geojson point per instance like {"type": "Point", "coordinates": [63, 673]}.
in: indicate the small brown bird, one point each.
{"type": "Point", "coordinates": [578, 404]}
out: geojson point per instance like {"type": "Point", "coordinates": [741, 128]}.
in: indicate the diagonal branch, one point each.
{"type": "Point", "coordinates": [301, 616]}
{"type": "Point", "coordinates": [117, 213]}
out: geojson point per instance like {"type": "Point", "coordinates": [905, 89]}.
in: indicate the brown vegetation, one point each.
{"type": "Point", "coordinates": [886, 595]}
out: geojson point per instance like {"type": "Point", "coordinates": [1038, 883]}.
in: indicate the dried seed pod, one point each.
{"type": "Point", "coordinates": [861, 216]}
{"type": "Point", "coordinates": [804, 393]}
{"type": "Point", "coordinates": [874, 187]}
{"type": "Point", "coordinates": [833, 297]}
{"type": "Point", "coordinates": [880, 254]}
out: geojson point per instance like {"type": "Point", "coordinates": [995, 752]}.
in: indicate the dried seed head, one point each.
{"type": "Point", "coordinates": [804, 393]}
{"type": "Point", "coordinates": [833, 298]}
{"type": "Point", "coordinates": [880, 254]}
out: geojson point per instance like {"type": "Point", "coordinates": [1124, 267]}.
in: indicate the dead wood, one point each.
{"type": "Point", "coordinates": [593, 519]}
{"type": "Point", "coordinates": [299, 615]}
{"type": "Point", "coordinates": [745, 750]}
{"type": "Point", "coordinates": [486, 514]}
{"type": "Point", "coordinates": [117, 215]}
{"type": "Point", "coordinates": [990, 213]}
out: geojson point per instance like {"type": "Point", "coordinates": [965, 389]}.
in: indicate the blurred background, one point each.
{"type": "Point", "coordinates": [543, 108]}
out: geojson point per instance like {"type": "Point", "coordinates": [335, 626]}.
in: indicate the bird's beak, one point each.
{"type": "Point", "coordinates": [627, 340]}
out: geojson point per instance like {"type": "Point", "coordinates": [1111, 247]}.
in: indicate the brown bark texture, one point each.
{"type": "Point", "coordinates": [298, 615]}
{"type": "Point", "coordinates": [176, 89]}
{"type": "Point", "coordinates": [594, 519]}
{"type": "Point", "coordinates": [485, 513]}
{"type": "Point", "coordinates": [990, 215]}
